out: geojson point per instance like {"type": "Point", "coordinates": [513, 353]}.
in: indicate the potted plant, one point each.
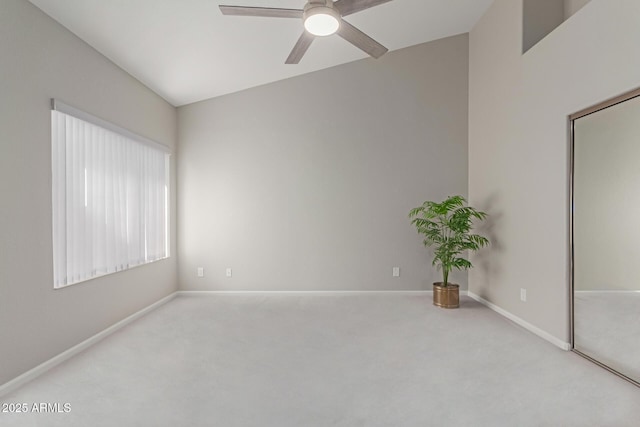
{"type": "Point", "coordinates": [446, 227]}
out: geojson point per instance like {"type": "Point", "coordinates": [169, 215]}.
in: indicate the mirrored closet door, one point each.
{"type": "Point", "coordinates": [605, 237]}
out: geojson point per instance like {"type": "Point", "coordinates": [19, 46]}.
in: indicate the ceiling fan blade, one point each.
{"type": "Point", "coordinates": [268, 12]}
{"type": "Point", "coordinates": [300, 48]}
{"type": "Point", "coordinates": [361, 40]}
{"type": "Point", "coordinates": [347, 7]}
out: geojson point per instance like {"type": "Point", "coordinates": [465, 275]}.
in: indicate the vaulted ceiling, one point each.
{"type": "Point", "coordinates": [187, 51]}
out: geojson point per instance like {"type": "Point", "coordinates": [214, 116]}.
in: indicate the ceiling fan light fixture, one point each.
{"type": "Point", "coordinates": [321, 20]}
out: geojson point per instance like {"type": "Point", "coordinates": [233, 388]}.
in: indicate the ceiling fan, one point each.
{"type": "Point", "coordinates": [320, 18]}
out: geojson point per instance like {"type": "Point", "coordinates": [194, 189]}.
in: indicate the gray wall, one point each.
{"type": "Point", "coordinates": [606, 200]}
{"type": "Point", "coordinates": [539, 18]}
{"type": "Point", "coordinates": [573, 6]}
{"type": "Point", "coordinates": [305, 184]}
{"type": "Point", "coordinates": [40, 60]}
{"type": "Point", "coordinates": [518, 144]}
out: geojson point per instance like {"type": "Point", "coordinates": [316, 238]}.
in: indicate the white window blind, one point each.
{"type": "Point", "coordinates": [110, 199]}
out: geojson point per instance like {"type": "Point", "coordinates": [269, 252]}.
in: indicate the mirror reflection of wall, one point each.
{"type": "Point", "coordinates": [606, 236]}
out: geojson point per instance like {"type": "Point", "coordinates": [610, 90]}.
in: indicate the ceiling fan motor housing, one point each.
{"type": "Point", "coordinates": [322, 8]}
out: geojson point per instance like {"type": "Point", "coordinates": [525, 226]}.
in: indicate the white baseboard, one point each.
{"type": "Point", "coordinates": [609, 292]}
{"type": "Point", "coordinates": [528, 326]}
{"type": "Point", "coordinates": [307, 293]}
{"type": "Point", "coordinates": [67, 354]}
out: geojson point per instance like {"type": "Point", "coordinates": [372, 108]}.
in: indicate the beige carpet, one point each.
{"type": "Point", "coordinates": [305, 361]}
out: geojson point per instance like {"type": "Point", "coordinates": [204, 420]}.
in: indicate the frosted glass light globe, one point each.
{"type": "Point", "coordinates": [321, 21]}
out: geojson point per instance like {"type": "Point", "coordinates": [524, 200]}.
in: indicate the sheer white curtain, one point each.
{"type": "Point", "coordinates": [110, 201]}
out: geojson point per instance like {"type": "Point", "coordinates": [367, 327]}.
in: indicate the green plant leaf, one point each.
{"type": "Point", "coordinates": [446, 226]}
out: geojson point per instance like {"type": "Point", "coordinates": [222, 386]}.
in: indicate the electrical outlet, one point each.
{"type": "Point", "coordinates": [229, 272]}
{"type": "Point", "coordinates": [523, 295]}
{"type": "Point", "coordinates": [396, 271]}
{"type": "Point", "coordinates": [200, 272]}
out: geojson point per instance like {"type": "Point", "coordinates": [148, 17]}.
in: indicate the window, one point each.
{"type": "Point", "coordinates": [110, 197]}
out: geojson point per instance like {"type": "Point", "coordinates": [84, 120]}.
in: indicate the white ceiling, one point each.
{"type": "Point", "coordinates": [187, 51]}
